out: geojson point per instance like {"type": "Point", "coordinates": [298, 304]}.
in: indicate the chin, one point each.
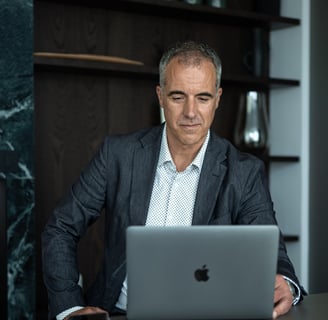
{"type": "Point", "coordinates": [191, 141]}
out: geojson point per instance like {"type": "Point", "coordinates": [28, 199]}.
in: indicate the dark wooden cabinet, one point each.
{"type": "Point", "coordinates": [78, 101]}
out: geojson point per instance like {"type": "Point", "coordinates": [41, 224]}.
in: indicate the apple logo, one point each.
{"type": "Point", "coordinates": [201, 274]}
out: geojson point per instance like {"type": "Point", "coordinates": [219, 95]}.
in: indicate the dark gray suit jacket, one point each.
{"type": "Point", "coordinates": [232, 190]}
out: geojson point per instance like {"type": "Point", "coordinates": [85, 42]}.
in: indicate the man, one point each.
{"type": "Point", "coordinates": [179, 173]}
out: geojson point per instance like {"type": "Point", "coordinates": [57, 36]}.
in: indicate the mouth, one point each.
{"type": "Point", "coordinates": [190, 126]}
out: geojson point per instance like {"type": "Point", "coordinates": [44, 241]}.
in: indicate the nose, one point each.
{"type": "Point", "coordinates": [190, 108]}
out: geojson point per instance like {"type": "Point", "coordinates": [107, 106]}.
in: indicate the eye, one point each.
{"type": "Point", "coordinates": [203, 99]}
{"type": "Point", "coordinates": [177, 98]}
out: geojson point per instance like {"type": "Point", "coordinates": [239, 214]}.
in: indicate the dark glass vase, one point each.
{"type": "Point", "coordinates": [251, 133]}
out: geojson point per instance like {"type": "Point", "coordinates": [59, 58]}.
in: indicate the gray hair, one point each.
{"type": "Point", "coordinates": [190, 53]}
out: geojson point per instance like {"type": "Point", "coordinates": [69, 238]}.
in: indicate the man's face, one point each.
{"type": "Point", "coordinates": [189, 99]}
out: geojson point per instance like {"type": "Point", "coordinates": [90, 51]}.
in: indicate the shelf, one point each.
{"type": "Point", "coordinates": [284, 158]}
{"type": "Point", "coordinates": [181, 10]}
{"type": "Point", "coordinates": [78, 65]}
{"type": "Point", "coordinates": [291, 238]}
{"type": "Point", "coordinates": [258, 83]}
{"type": "Point", "coordinates": [148, 72]}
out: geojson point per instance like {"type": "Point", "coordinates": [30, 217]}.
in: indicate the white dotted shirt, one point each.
{"type": "Point", "coordinates": [173, 196]}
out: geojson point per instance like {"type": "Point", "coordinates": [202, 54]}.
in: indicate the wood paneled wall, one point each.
{"type": "Point", "coordinates": [76, 108]}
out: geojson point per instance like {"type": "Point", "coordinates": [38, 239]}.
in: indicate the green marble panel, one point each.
{"type": "Point", "coordinates": [17, 154]}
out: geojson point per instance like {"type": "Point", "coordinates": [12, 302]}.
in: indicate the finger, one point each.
{"type": "Point", "coordinates": [283, 298]}
{"type": "Point", "coordinates": [85, 311]}
{"type": "Point", "coordinates": [282, 306]}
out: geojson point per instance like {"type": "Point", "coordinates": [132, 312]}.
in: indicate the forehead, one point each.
{"type": "Point", "coordinates": [194, 61]}
{"type": "Point", "coordinates": [198, 70]}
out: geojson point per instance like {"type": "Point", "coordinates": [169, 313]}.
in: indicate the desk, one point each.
{"type": "Point", "coordinates": [313, 307]}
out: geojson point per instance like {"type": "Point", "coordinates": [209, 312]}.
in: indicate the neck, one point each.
{"type": "Point", "coordinates": [183, 157]}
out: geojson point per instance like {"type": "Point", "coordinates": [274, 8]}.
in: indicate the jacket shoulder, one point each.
{"type": "Point", "coordinates": [231, 156]}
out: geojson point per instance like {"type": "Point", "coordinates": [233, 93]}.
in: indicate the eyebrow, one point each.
{"type": "Point", "coordinates": [207, 94]}
{"type": "Point", "coordinates": [171, 93]}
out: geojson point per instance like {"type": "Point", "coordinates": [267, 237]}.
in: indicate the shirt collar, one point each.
{"type": "Point", "coordinates": [165, 154]}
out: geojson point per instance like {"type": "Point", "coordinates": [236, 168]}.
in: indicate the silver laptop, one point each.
{"type": "Point", "coordinates": [201, 272]}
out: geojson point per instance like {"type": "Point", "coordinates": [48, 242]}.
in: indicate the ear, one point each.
{"type": "Point", "coordinates": [159, 95]}
{"type": "Point", "coordinates": [218, 97]}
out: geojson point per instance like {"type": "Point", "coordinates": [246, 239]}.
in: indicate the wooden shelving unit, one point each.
{"type": "Point", "coordinates": [77, 102]}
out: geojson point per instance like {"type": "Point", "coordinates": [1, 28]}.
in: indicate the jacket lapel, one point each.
{"type": "Point", "coordinates": [143, 173]}
{"type": "Point", "coordinates": [212, 175]}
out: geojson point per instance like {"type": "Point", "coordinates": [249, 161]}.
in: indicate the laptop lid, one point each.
{"type": "Point", "coordinates": [201, 272]}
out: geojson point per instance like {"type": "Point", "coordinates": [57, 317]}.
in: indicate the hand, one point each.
{"type": "Point", "coordinates": [86, 310]}
{"type": "Point", "coordinates": [283, 298]}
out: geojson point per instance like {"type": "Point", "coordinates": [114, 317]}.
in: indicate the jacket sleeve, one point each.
{"type": "Point", "coordinates": [256, 207]}
{"type": "Point", "coordinates": [78, 210]}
